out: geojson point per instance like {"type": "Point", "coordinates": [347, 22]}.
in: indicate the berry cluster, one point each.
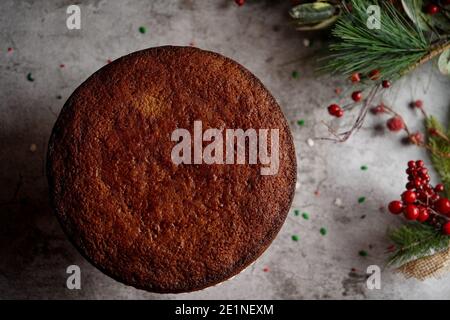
{"type": "Point", "coordinates": [422, 202]}
{"type": "Point", "coordinates": [395, 123]}
{"type": "Point", "coordinates": [374, 75]}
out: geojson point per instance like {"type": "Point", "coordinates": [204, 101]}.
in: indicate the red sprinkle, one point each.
{"type": "Point", "coordinates": [266, 269]}
{"type": "Point", "coordinates": [61, 65]}
{"type": "Point", "coordinates": [317, 193]}
{"type": "Point", "coordinates": [10, 49]}
{"type": "Point", "coordinates": [108, 61]}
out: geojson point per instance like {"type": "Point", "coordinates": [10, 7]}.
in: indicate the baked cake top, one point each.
{"type": "Point", "coordinates": [134, 213]}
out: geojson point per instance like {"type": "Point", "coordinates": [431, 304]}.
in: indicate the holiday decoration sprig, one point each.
{"type": "Point", "coordinates": [393, 49]}
{"type": "Point", "coordinates": [411, 33]}
{"type": "Point", "coordinates": [373, 58]}
{"type": "Point", "coordinates": [415, 240]}
{"type": "Point", "coordinates": [427, 205]}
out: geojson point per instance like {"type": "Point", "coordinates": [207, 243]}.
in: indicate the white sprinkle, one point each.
{"type": "Point", "coordinates": [306, 42]}
{"type": "Point", "coordinates": [338, 202]}
{"type": "Point", "coordinates": [33, 147]}
{"type": "Point", "coordinates": [310, 142]}
{"type": "Point", "coordinates": [297, 185]}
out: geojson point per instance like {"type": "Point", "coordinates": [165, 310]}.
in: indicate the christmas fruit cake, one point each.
{"type": "Point", "coordinates": [171, 169]}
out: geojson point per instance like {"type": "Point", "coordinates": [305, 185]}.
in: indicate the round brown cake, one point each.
{"type": "Point", "coordinates": [132, 211]}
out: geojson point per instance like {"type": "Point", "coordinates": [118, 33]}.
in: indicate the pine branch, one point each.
{"type": "Point", "coordinates": [440, 146]}
{"type": "Point", "coordinates": [398, 47]}
{"type": "Point", "coordinates": [415, 240]}
{"type": "Point", "coordinates": [434, 51]}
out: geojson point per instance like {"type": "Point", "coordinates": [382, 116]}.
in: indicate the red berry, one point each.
{"type": "Point", "coordinates": [439, 187]}
{"type": "Point", "coordinates": [433, 132]}
{"type": "Point", "coordinates": [335, 110]}
{"type": "Point", "coordinates": [395, 207]}
{"type": "Point", "coordinates": [410, 186]}
{"type": "Point", "coordinates": [378, 109]}
{"type": "Point", "coordinates": [239, 2]}
{"type": "Point", "coordinates": [434, 197]}
{"type": "Point", "coordinates": [424, 214]}
{"type": "Point", "coordinates": [395, 124]}
{"type": "Point", "coordinates": [428, 190]}
{"type": "Point", "coordinates": [417, 183]}
{"type": "Point", "coordinates": [416, 138]}
{"type": "Point", "coordinates": [422, 196]}
{"type": "Point", "coordinates": [386, 84]}
{"type": "Point", "coordinates": [420, 163]}
{"type": "Point", "coordinates": [411, 164]}
{"type": "Point", "coordinates": [374, 74]}
{"type": "Point", "coordinates": [442, 206]}
{"type": "Point", "coordinates": [357, 96]}
{"type": "Point", "coordinates": [356, 77]}
{"type": "Point", "coordinates": [432, 9]}
{"type": "Point", "coordinates": [409, 196]}
{"type": "Point", "coordinates": [418, 103]}
{"type": "Point", "coordinates": [446, 228]}
{"type": "Point", "coordinates": [411, 212]}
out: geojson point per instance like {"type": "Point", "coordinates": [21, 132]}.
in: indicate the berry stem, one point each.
{"type": "Point", "coordinates": [421, 144]}
{"type": "Point", "coordinates": [344, 136]}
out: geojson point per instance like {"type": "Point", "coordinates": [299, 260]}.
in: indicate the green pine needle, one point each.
{"type": "Point", "coordinates": [393, 49]}
{"type": "Point", "coordinates": [440, 163]}
{"type": "Point", "coordinates": [415, 240]}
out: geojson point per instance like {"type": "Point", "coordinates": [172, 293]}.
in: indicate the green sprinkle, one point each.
{"type": "Point", "coordinates": [363, 253]}
{"type": "Point", "coordinates": [323, 231]}
{"type": "Point", "coordinates": [301, 122]}
{"type": "Point", "coordinates": [295, 74]}
{"type": "Point", "coordinates": [30, 77]}
{"type": "Point", "coordinates": [296, 212]}
{"type": "Point", "coordinates": [364, 168]}
{"type": "Point", "coordinates": [142, 30]}
{"type": "Point", "coordinates": [305, 216]}
{"type": "Point", "coordinates": [295, 237]}
{"type": "Point", "coordinates": [361, 199]}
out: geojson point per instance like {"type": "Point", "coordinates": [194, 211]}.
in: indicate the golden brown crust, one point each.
{"type": "Point", "coordinates": [128, 208]}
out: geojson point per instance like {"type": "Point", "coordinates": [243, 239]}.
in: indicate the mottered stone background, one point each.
{"type": "Point", "coordinates": [34, 253]}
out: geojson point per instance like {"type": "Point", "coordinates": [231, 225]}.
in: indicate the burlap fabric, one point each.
{"type": "Point", "coordinates": [431, 266]}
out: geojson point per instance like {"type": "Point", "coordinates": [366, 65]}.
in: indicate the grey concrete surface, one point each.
{"type": "Point", "coordinates": [33, 250]}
